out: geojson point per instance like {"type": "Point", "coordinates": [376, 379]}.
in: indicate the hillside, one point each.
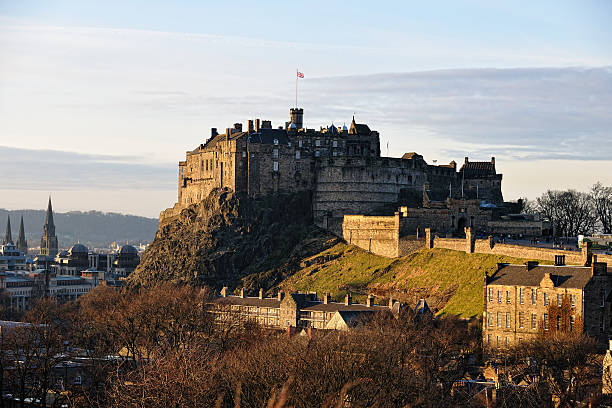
{"type": "Point", "coordinates": [92, 228]}
{"type": "Point", "coordinates": [451, 281]}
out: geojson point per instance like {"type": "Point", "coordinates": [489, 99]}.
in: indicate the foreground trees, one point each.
{"type": "Point", "coordinates": [159, 347]}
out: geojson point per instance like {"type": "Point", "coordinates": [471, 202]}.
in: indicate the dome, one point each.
{"type": "Point", "coordinates": [78, 249]}
{"type": "Point", "coordinates": [128, 250]}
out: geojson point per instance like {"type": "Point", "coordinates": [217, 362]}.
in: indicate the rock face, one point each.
{"type": "Point", "coordinates": [231, 240]}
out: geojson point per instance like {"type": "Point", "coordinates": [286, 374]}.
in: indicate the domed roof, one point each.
{"type": "Point", "coordinates": [78, 249]}
{"type": "Point", "coordinates": [128, 249]}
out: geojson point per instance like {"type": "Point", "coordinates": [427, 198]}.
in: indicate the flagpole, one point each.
{"type": "Point", "coordinates": [296, 79]}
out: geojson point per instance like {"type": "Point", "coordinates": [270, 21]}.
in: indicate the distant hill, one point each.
{"type": "Point", "coordinates": [94, 229]}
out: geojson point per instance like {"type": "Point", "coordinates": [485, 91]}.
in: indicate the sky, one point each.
{"type": "Point", "coordinates": [100, 100]}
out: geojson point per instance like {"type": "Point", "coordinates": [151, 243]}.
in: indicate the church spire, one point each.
{"type": "Point", "coordinates": [48, 241]}
{"type": "Point", "coordinates": [8, 239]}
{"type": "Point", "coordinates": [22, 244]}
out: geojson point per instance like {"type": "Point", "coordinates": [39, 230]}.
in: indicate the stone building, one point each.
{"type": "Point", "coordinates": [523, 301]}
{"type": "Point", "coordinates": [298, 310]}
{"type": "Point", "coordinates": [341, 166]}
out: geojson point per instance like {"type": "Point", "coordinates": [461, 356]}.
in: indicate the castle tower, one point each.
{"type": "Point", "coordinates": [297, 117]}
{"type": "Point", "coordinates": [22, 244]}
{"type": "Point", "coordinates": [48, 242]}
{"type": "Point", "coordinates": [8, 239]}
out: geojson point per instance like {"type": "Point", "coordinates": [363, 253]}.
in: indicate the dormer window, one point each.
{"type": "Point", "coordinates": [276, 142]}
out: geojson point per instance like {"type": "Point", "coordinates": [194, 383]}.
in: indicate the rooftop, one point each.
{"type": "Point", "coordinates": [561, 276]}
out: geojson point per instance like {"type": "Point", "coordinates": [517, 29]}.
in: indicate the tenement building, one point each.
{"type": "Point", "coordinates": [297, 310]}
{"type": "Point", "coordinates": [341, 166]}
{"type": "Point", "coordinates": [522, 302]}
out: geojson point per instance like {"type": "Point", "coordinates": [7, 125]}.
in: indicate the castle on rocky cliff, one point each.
{"type": "Point", "coordinates": [343, 170]}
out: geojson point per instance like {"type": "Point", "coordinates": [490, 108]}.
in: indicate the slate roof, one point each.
{"type": "Point", "coordinates": [342, 307]}
{"type": "Point", "coordinates": [411, 155]}
{"type": "Point", "coordinates": [478, 168]}
{"type": "Point", "coordinates": [267, 136]}
{"type": "Point", "coordinates": [248, 301]}
{"type": "Point", "coordinates": [562, 276]}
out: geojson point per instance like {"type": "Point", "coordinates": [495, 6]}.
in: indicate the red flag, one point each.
{"type": "Point", "coordinates": [300, 75]}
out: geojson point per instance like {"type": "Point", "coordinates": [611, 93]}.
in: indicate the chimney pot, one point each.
{"type": "Point", "coordinates": [242, 293]}
{"type": "Point", "coordinates": [250, 125]}
{"type": "Point", "coordinates": [260, 293]}
{"type": "Point", "coordinates": [347, 299]}
{"type": "Point", "coordinates": [326, 298]}
{"type": "Point", "coordinates": [280, 295]}
{"type": "Point", "coordinates": [257, 125]}
{"type": "Point", "coordinates": [466, 160]}
{"type": "Point", "coordinates": [238, 127]}
{"type": "Point", "coordinates": [213, 132]}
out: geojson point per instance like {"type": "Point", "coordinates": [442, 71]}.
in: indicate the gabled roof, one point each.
{"type": "Point", "coordinates": [561, 276]}
{"type": "Point", "coordinates": [478, 168]}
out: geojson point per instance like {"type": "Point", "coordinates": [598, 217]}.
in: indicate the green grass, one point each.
{"type": "Point", "coordinates": [452, 280]}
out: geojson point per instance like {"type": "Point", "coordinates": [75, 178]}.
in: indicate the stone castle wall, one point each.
{"type": "Point", "coordinates": [379, 235]}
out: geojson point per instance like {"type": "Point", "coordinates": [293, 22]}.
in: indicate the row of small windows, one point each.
{"type": "Point", "coordinates": [534, 297]}
{"type": "Point", "coordinates": [521, 321]}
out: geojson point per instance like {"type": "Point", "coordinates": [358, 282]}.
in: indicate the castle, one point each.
{"type": "Point", "coordinates": [343, 169]}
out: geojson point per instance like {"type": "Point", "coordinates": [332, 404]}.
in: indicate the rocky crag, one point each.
{"type": "Point", "coordinates": [230, 240]}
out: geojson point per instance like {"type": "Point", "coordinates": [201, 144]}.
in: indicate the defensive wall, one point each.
{"type": "Point", "coordinates": [488, 246]}
{"type": "Point", "coordinates": [379, 235]}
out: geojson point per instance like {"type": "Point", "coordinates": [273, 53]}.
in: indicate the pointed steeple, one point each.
{"type": "Point", "coordinates": [8, 239]}
{"type": "Point", "coordinates": [22, 244]}
{"type": "Point", "coordinates": [48, 242]}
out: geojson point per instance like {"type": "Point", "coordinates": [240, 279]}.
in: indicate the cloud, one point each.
{"type": "Point", "coordinates": [52, 170]}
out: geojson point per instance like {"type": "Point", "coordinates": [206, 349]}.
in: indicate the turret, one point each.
{"type": "Point", "coordinates": [297, 117]}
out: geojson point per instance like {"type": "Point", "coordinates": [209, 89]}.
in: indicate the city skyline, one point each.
{"type": "Point", "coordinates": [97, 107]}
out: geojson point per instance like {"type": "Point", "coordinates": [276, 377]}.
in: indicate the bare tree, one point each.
{"type": "Point", "coordinates": [602, 203]}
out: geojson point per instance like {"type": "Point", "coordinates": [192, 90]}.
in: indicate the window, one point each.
{"type": "Point", "coordinates": [497, 341]}
{"type": "Point", "coordinates": [488, 339]}
{"type": "Point", "coordinates": [573, 300]}
{"type": "Point", "coordinates": [520, 318]}
{"type": "Point", "coordinates": [276, 142]}
{"type": "Point", "coordinates": [499, 319]}
{"type": "Point", "coordinates": [602, 294]}
{"type": "Point", "coordinates": [300, 143]}
{"type": "Point", "coordinates": [317, 143]}
{"type": "Point", "coordinates": [275, 166]}
{"type": "Point", "coordinates": [534, 321]}
{"type": "Point", "coordinates": [490, 319]}
{"type": "Point", "coordinates": [499, 296]}
{"type": "Point", "coordinates": [507, 342]}
{"type": "Point", "coordinates": [508, 320]}
{"type": "Point", "coordinates": [335, 143]}
{"type": "Point", "coordinates": [317, 153]}
{"type": "Point", "coordinates": [297, 154]}
{"type": "Point", "coordinates": [334, 153]}
{"type": "Point", "coordinates": [546, 299]}
{"type": "Point", "coordinates": [545, 321]}
{"type": "Point", "coordinates": [521, 295]}
{"type": "Point", "coordinates": [275, 153]}
{"type": "Point", "coordinates": [559, 299]}
{"type": "Point", "coordinates": [534, 296]}
{"type": "Point", "coordinates": [243, 154]}
{"type": "Point", "coordinates": [507, 296]}
{"type": "Point", "coordinates": [572, 323]}
{"type": "Point", "coordinates": [558, 322]}
{"type": "Point", "coordinates": [490, 294]}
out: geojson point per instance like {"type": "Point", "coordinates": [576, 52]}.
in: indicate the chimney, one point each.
{"type": "Point", "coordinates": [228, 132]}
{"type": "Point", "coordinates": [466, 160]}
{"type": "Point", "coordinates": [238, 127]}
{"type": "Point", "coordinates": [559, 260]}
{"type": "Point", "coordinates": [213, 132]}
{"type": "Point", "coordinates": [347, 299]}
{"type": "Point", "coordinates": [531, 264]}
{"type": "Point", "coordinates": [260, 293]}
{"type": "Point", "coordinates": [224, 291]}
{"type": "Point", "coordinates": [257, 125]}
{"type": "Point", "coordinates": [250, 125]}
{"type": "Point", "coordinates": [326, 298]}
{"type": "Point", "coordinates": [390, 302]}
{"type": "Point", "coordinates": [242, 293]}
{"type": "Point", "coordinates": [266, 124]}
{"type": "Point", "coordinates": [369, 301]}
{"type": "Point", "coordinates": [280, 295]}
{"type": "Point", "coordinates": [492, 160]}
{"type": "Point", "coordinates": [599, 268]}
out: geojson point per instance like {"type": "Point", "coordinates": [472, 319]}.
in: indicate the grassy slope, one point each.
{"type": "Point", "coordinates": [451, 280]}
